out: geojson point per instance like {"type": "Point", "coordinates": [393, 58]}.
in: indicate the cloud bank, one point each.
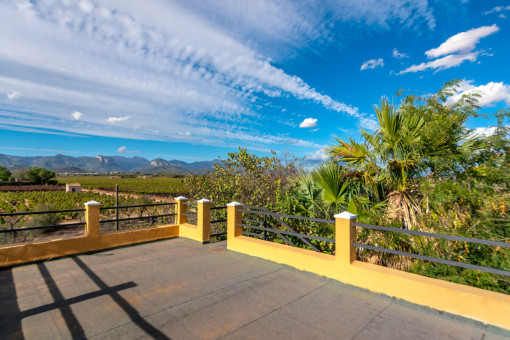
{"type": "Point", "coordinates": [455, 50]}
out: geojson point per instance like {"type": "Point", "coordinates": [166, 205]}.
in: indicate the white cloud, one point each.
{"type": "Point", "coordinates": [463, 42]}
{"type": "Point", "coordinates": [124, 150]}
{"type": "Point", "coordinates": [372, 63]}
{"type": "Point", "coordinates": [117, 119]}
{"type": "Point", "coordinates": [442, 63]}
{"type": "Point", "coordinates": [200, 66]}
{"type": "Point", "coordinates": [490, 93]}
{"type": "Point", "coordinates": [77, 115]}
{"type": "Point", "coordinates": [318, 155]}
{"type": "Point", "coordinates": [398, 55]}
{"type": "Point", "coordinates": [368, 123]}
{"type": "Point", "coordinates": [497, 9]}
{"type": "Point", "coordinates": [308, 123]}
{"type": "Point", "coordinates": [13, 95]}
{"type": "Point", "coordinates": [502, 16]}
{"type": "Point", "coordinates": [483, 131]}
{"type": "Point", "coordinates": [455, 50]}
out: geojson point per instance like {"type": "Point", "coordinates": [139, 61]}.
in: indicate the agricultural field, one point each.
{"type": "Point", "coordinates": [30, 201]}
{"type": "Point", "coordinates": [138, 185]}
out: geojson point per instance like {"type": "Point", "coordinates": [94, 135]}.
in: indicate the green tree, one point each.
{"type": "Point", "coordinates": [40, 176]}
{"type": "Point", "coordinates": [4, 174]}
{"type": "Point", "coordinates": [245, 178]}
{"type": "Point", "coordinates": [423, 136]}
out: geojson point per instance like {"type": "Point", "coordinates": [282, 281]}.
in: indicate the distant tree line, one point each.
{"type": "Point", "coordinates": [31, 175]}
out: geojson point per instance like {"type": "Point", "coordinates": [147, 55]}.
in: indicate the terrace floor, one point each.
{"type": "Point", "coordinates": [179, 289]}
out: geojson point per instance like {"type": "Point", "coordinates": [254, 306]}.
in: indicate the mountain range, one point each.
{"type": "Point", "coordinates": [103, 164]}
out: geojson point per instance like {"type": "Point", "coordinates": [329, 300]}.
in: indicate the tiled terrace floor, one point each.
{"type": "Point", "coordinates": [179, 289]}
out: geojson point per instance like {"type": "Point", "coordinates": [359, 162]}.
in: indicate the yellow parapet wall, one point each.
{"type": "Point", "coordinates": [200, 232]}
{"type": "Point", "coordinates": [91, 241]}
{"type": "Point", "coordinates": [37, 251]}
{"type": "Point", "coordinates": [470, 302]}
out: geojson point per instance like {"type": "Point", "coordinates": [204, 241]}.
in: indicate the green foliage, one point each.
{"type": "Point", "coordinates": [36, 176]}
{"type": "Point", "coordinates": [4, 174]}
{"type": "Point", "coordinates": [423, 169]}
{"type": "Point", "coordinates": [245, 178]}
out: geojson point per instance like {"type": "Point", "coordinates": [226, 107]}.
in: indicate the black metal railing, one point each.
{"type": "Point", "coordinates": [44, 228]}
{"type": "Point", "coordinates": [152, 217]}
{"type": "Point", "coordinates": [430, 258]}
{"type": "Point", "coordinates": [218, 226]}
{"type": "Point", "coordinates": [272, 223]}
{"type": "Point", "coordinates": [191, 215]}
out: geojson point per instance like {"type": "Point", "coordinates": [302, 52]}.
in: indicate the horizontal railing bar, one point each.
{"type": "Point", "coordinates": [250, 220]}
{"type": "Point", "coordinates": [135, 218]}
{"type": "Point", "coordinates": [435, 259]}
{"type": "Point", "coordinates": [189, 203]}
{"type": "Point", "coordinates": [217, 208]}
{"type": "Point", "coordinates": [443, 236]}
{"type": "Point", "coordinates": [218, 234]}
{"type": "Point", "coordinates": [67, 225]}
{"type": "Point", "coordinates": [288, 216]}
{"type": "Point", "coordinates": [191, 215]}
{"type": "Point", "coordinates": [252, 234]}
{"type": "Point", "coordinates": [255, 208]}
{"type": "Point", "coordinates": [40, 212]}
{"type": "Point", "coordinates": [218, 221]}
{"type": "Point", "coordinates": [137, 206]}
{"type": "Point", "coordinates": [278, 231]}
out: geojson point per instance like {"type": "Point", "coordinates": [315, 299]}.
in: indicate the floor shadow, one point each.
{"type": "Point", "coordinates": [70, 319]}
{"type": "Point", "coordinates": [10, 326]}
{"type": "Point", "coordinates": [130, 310]}
{"type": "Point", "coordinates": [11, 317]}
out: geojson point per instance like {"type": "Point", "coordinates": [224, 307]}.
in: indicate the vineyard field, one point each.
{"type": "Point", "coordinates": [152, 185]}
{"type": "Point", "coordinates": [29, 200]}
{"type": "Point", "coordinates": [14, 202]}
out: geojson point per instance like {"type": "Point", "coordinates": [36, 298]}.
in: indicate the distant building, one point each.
{"type": "Point", "coordinates": [73, 187]}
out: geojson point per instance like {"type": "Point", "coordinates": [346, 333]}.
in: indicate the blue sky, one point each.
{"type": "Point", "coordinates": [194, 80]}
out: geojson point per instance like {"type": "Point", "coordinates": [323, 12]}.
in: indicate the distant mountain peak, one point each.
{"type": "Point", "coordinates": [101, 163]}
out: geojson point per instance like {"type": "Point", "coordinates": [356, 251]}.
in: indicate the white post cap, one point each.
{"type": "Point", "coordinates": [180, 198]}
{"type": "Point", "coordinates": [235, 204]}
{"type": "Point", "coordinates": [92, 203]}
{"type": "Point", "coordinates": [346, 216]}
{"type": "Point", "coordinates": [204, 200]}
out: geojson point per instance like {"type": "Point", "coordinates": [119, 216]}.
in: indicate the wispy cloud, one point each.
{"type": "Point", "coordinates": [497, 9]}
{"type": "Point", "coordinates": [399, 55]}
{"type": "Point", "coordinates": [195, 66]}
{"type": "Point", "coordinates": [40, 150]}
{"type": "Point", "coordinates": [308, 123]}
{"type": "Point", "coordinates": [455, 50]}
{"type": "Point", "coordinates": [372, 63]}
{"type": "Point", "coordinates": [124, 150]}
{"type": "Point", "coordinates": [117, 119]}
{"type": "Point", "coordinates": [13, 95]}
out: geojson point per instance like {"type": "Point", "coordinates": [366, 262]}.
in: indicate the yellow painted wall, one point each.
{"type": "Point", "coordinates": [474, 303]}
{"type": "Point", "coordinates": [36, 251]}
{"type": "Point", "coordinates": [192, 232]}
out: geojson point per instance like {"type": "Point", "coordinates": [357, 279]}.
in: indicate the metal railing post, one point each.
{"type": "Point", "coordinates": [234, 218]}
{"type": "Point", "coordinates": [92, 218]}
{"type": "Point", "coordinates": [181, 209]}
{"type": "Point", "coordinates": [345, 235]}
{"type": "Point", "coordinates": [204, 218]}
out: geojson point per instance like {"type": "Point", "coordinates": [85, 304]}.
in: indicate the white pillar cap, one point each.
{"type": "Point", "coordinates": [92, 203]}
{"type": "Point", "coordinates": [235, 204]}
{"type": "Point", "coordinates": [346, 216]}
{"type": "Point", "coordinates": [204, 200]}
{"type": "Point", "coordinates": [180, 198]}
